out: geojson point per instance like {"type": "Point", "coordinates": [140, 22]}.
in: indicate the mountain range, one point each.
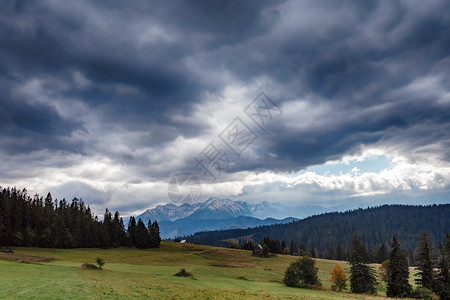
{"type": "Point", "coordinates": [215, 214]}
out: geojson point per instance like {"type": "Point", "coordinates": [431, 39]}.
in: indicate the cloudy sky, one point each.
{"type": "Point", "coordinates": [108, 100]}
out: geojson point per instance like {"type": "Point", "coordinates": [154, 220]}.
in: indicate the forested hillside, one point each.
{"type": "Point", "coordinates": [35, 221]}
{"type": "Point", "coordinates": [329, 235]}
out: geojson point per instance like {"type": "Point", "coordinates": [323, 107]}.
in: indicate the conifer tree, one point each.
{"type": "Point", "coordinates": [398, 274]}
{"type": "Point", "coordinates": [442, 287]}
{"type": "Point", "coordinates": [132, 231]}
{"type": "Point", "coordinates": [362, 278]}
{"type": "Point", "coordinates": [154, 235]}
{"type": "Point", "coordinates": [141, 236]}
{"type": "Point", "coordinates": [425, 261]}
{"type": "Point", "coordinates": [382, 254]}
{"type": "Point", "coordinates": [157, 234]}
{"type": "Point", "coordinates": [293, 249]}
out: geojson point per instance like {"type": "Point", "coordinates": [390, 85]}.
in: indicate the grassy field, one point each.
{"type": "Point", "coordinates": [149, 274]}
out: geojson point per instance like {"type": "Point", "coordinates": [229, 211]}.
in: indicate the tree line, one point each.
{"type": "Point", "coordinates": [43, 222]}
{"type": "Point", "coordinates": [329, 235]}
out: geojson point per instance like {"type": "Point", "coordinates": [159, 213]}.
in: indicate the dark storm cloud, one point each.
{"type": "Point", "coordinates": [100, 41]}
{"type": "Point", "coordinates": [361, 59]}
{"type": "Point", "coordinates": [140, 63]}
{"type": "Point", "coordinates": [30, 126]}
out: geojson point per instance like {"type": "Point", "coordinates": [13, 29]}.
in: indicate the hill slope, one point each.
{"type": "Point", "coordinates": [131, 273]}
{"type": "Point", "coordinates": [374, 226]}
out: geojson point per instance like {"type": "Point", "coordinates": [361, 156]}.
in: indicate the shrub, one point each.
{"type": "Point", "coordinates": [89, 267]}
{"type": "Point", "coordinates": [100, 262]}
{"type": "Point", "coordinates": [383, 271]}
{"type": "Point", "coordinates": [232, 245]}
{"type": "Point", "coordinates": [242, 278]}
{"type": "Point", "coordinates": [183, 273]}
{"type": "Point", "coordinates": [302, 273]}
{"type": "Point", "coordinates": [421, 293]}
{"type": "Point", "coordinates": [6, 250]}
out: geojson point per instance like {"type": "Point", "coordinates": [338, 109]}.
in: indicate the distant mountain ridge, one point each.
{"type": "Point", "coordinates": [186, 226]}
{"type": "Point", "coordinates": [213, 214]}
{"type": "Point", "coordinates": [213, 207]}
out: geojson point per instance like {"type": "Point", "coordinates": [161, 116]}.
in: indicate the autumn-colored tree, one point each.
{"type": "Point", "coordinates": [338, 278]}
{"type": "Point", "coordinates": [383, 271]}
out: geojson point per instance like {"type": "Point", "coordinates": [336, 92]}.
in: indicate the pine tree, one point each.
{"type": "Point", "coordinates": [362, 277]}
{"type": "Point", "coordinates": [398, 285]}
{"type": "Point", "coordinates": [340, 252]}
{"type": "Point", "coordinates": [154, 235]}
{"type": "Point", "coordinates": [442, 287]}
{"type": "Point", "coordinates": [132, 231]}
{"type": "Point", "coordinates": [151, 233]}
{"type": "Point", "coordinates": [382, 254]}
{"type": "Point", "coordinates": [293, 249]}
{"type": "Point", "coordinates": [141, 236]}
{"type": "Point", "coordinates": [248, 245]}
{"type": "Point", "coordinates": [312, 250]}
{"type": "Point", "coordinates": [107, 227]}
{"type": "Point", "coordinates": [123, 235]}
{"type": "Point", "coordinates": [425, 261]}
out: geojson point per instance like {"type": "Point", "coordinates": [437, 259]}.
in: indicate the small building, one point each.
{"type": "Point", "coordinates": [258, 250]}
{"type": "Point", "coordinates": [183, 241]}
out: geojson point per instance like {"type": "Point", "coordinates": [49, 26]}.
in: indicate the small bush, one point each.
{"type": "Point", "coordinates": [232, 245]}
{"type": "Point", "coordinates": [421, 293]}
{"type": "Point", "coordinates": [183, 273]}
{"type": "Point", "coordinates": [100, 262]}
{"type": "Point", "coordinates": [302, 273]}
{"type": "Point", "coordinates": [6, 250]}
{"type": "Point", "coordinates": [89, 267]}
{"type": "Point", "coordinates": [383, 271]}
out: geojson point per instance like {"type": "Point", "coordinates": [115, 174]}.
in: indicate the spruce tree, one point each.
{"type": "Point", "coordinates": [157, 240]}
{"type": "Point", "coordinates": [151, 233]}
{"type": "Point", "coordinates": [425, 261]}
{"type": "Point", "coordinates": [154, 236]}
{"type": "Point", "coordinates": [382, 254]}
{"type": "Point", "coordinates": [293, 249]}
{"type": "Point", "coordinates": [340, 252]}
{"type": "Point", "coordinates": [442, 287]}
{"type": "Point", "coordinates": [362, 278]}
{"type": "Point", "coordinates": [398, 285]}
{"type": "Point", "coordinates": [132, 231]}
{"type": "Point", "coordinates": [141, 236]}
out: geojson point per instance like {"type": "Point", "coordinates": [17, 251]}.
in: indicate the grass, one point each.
{"type": "Point", "coordinates": [133, 273]}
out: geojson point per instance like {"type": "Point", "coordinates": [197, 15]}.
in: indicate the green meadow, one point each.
{"type": "Point", "coordinates": [218, 273]}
